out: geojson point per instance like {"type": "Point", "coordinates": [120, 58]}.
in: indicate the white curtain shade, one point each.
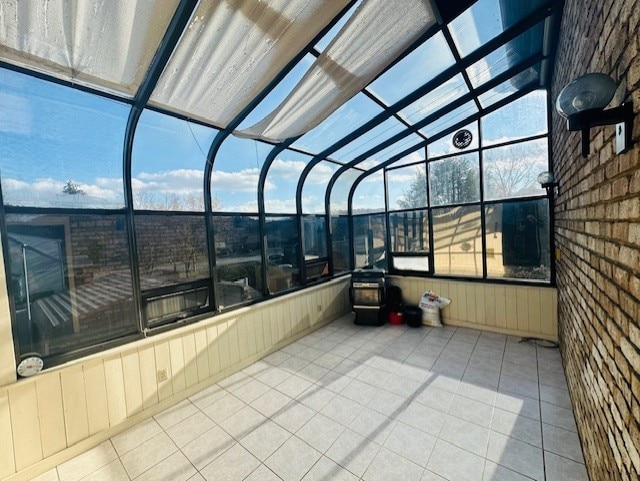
{"type": "Point", "coordinates": [232, 49]}
{"type": "Point", "coordinates": [105, 44]}
{"type": "Point", "coordinates": [377, 33]}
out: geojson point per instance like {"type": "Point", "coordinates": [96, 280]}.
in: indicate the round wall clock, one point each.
{"type": "Point", "coordinates": [30, 364]}
{"type": "Point", "coordinates": [462, 139]}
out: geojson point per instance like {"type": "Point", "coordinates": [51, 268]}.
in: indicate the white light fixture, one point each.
{"type": "Point", "coordinates": [548, 181]}
{"type": "Point", "coordinates": [582, 103]}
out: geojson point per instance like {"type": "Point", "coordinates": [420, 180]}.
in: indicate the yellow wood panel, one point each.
{"type": "Point", "coordinates": [243, 333]}
{"type": "Point", "coordinates": [471, 306]}
{"type": "Point", "coordinates": [213, 348]}
{"type": "Point", "coordinates": [292, 305]}
{"type": "Point", "coordinates": [96, 388]}
{"type": "Point", "coordinates": [252, 330]}
{"type": "Point", "coordinates": [190, 362]}
{"type": "Point", "coordinates": [234, 345]}
{"type": "Point", "coordinates": [223, 344]}
{"type": "Point", "coordinates": [533, 303]}
{"type": "Point", "coordinates": [511, 310]}
{"type": "Point", "coordinates": [522, 305]}
{"type": "Point", "coordinates": [547, 308]}
{"type": "Point", "coordinates": [284, 322]}
{"type": "Point", "coordinates": [178, 376]}
{"type": "Point", "coordinates": [500, 294]}
{"type": "Point", "coordinates": [163, 365]}
{"type": "Point", "coordinates": [480, 307]}
{"type": "Point", "coordinates": [23, 403]}
{"type": "Point", "coordinates": [277, 324]}
{"type": "Point", "coordinates": [202, 354]}
{"type": "Point", "coordinates": [490, 305]}
{"type": "Point", "coordinates": [132, 382]}
{"type": "Point", "coordinates": [148, 376]}
{"type": "Point", "coordinates": [312, 310]}
{"type": "Point", "coordinates": [260, 331]}
{"type": "Point", "coordinates": [554, 300]}
{"type": "Point", "coordinates": [116, 400]}
{"type": "Point", "coordinates": [7, 461]}
{"type": "Point", "coordinates": [51, 413]}
{"type": "Point", "coordinates": [75, 404]}
{"type": "Point", "coordinates": [461, 297]}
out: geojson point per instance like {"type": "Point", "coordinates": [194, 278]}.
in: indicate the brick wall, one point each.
{"type": "Point", "coordinates": [598, 237]}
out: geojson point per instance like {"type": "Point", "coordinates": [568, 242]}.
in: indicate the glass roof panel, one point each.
{"type": "Point", "coordinates": [232, 50]}
{"type": "Point", "coordinates": [340, 192]}
{"type": "Point", "coordinates": [370, 139]}
{"type": "Point", "coordinates": [278, 94]}
{"type": "Point", "coordinates": [59, 147]}
{"type": "Point", "coordinates": [331, 34]}
{"type": "Point", "coordinates": [394, 149]}
{"type": "Point", "coordinates": [530, 76]}
{"type": "Point", "coordinates": [349, 116]}
{"type": "Point", "coordinates": [236, 170]}
{"type": "Point", "coordinates": [413, 71]}
{"type": "Point", "coordinates": [439, 97]}
{"type": "Point", "coordinates": [369, 194]}
{"type": "Point", "coordinates": [507, 56]}
{"type": "Point", "coordinates": [315, 187]}
{"type": "Point", "coordinates": [376, 34]}
{"type": "Point", "coordinates": [105, 45]}
{"type": "Point", "coordinates": [450, 119]}
{"type": "Point", "coordinates": [282, 182]}
{"type": "Point", "coordinates": [445, 146]}
{"type": "Point", "coordinates": [486, 19]}
{"type": "Point", "coordinates": [168, 160]}
{"type": "Point", "coordinates": [524, 117]}
{"type": "Point", "coordinates": [415, 156]}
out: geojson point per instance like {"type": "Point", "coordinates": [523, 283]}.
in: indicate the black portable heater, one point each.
{"type": "Point", "coordinates": [368, 296]}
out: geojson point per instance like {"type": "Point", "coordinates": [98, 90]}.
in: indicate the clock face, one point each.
{"type": "Point", "coordinates": [462, 139]}
{"type": "Point", "coordinates": [29, 365]}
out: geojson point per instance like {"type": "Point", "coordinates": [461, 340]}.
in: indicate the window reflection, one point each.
{"type": "Point", "coordinates": [407, 187]}
{"type": "Point", "coordinates": [454, 180]}
{"type": "Point", "coordinates": [517, 239]}
{"type": "Point", "coordinates": [71, 280]}
{"type": "Point", "coordinates": [457, 241]}
{"type": "Point", "coordinates": [369, 241]}
{"type": "Point", "coordinates": [282, 253]}
{"type": "Point", "coordinates": [340, 244]}
{"type": "Point", "coordinates": [315, 247]}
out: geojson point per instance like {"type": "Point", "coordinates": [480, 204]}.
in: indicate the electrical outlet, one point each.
{"type": "Point", "coordinates": [162, 375]}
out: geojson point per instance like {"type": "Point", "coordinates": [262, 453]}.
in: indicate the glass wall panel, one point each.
{"type": "Point", "coordinates": [512, 170]}
{"type": "Point", "coordinates": [315, 187]}
{"type": "Point", "coordinates": [457, 241]}
{"type": "Point", "coordinates": [517, 239]}
{"type": "Point", "coordinates": [71, 280]}
{"type": "Point", "coordinates": [368, 140]}
{"type": "Point", "coordinates": [340, 192]}
{"type": "Point", "coordinates": [438, 98]}
{"type": "Point", "coordinates": [454, 180]}
{"type": "Point", "coordinates": [59, 147]}
{"type": "Point", "coordinates": [314, 231]}
{"type": "Point", "coordinates": [524, 117]}
{"type": "Point", "coordinates": [369, 194]}
{"type": "Point", "coordinates": [446, 146]}
{"type": "Point", "coordinates": [340, 244]}
{"type": "Point", "coordinates": [412, 158]}
{"type": "Point", "coordinates": [369, 241]}
{"type": "Point", "coordinates": [236, 171]}
{"type": "Point", "coordinates": [238, 259]}
{"type": "Point", "coordinates": [282, 182]}
{"type": "Point", "coordinates": [409, 231]}
{"type": "Point", "coordinates": [450, 119]}
{"type": "Point", "coordinates": [525, 79]}
{"type": "Point", "coordinates": [282, 253]}
{"type": "Point", "coordinates": [407, 187]}
{"type": "Point", "coordinates": [168, 161]}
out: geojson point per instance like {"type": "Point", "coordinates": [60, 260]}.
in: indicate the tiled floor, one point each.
{"type": "Point", "coordinates": [350, 403]}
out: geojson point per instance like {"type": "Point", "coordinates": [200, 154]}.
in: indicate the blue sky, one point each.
{"type": "Point", "coordinates": [50, 134]}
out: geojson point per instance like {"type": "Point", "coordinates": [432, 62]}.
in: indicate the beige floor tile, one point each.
{"type": "Point", "coordinates": [329, 360]}
{"type": "Point", "coordinates": [293, 416]}
{"type": "Point", "coordinates": [431, 476]}
{"type": "Point", "coordinates": [88, 462]}
{"type": "Point", "coordinates": [559, 468]}
{"type": "Point", "coordinates": [454, 463]}
{"type": "Point", "coordinates": [51, 475]}
{"type": "Point", "coordinates": [251, 391]}
{"type": "Point", "coordinates": [187, 430]}
{"type": "Point", "coordinates": [294, 386]}
{"type": "Point", "coordinates": [234, 464]}
{"type": "Point", "coordinates": [472, 411]}
{"type": "Point", "coordinates": [372, 425]}
{"type": "Point", "coordinates": [263, 441]}
{"type": "Point", "coordinates": [353, 452]}
{"type": "Point", "coordinates": [175, 414]}
{"type": "Point", "coordinates": [327, 470]}
{"type": "Point", "coordinates": [208, 446]}
{"type": "Point", "coordinates": [148, 454]}
{"type": "Point", "coordinates": [262, 473]}
{"type": "Point", "coordinates": [516, 455]}
{"type": "Point", "coordinates": [114, 471]}
{"type": "Point", "coordinates": [562, 442]}
{"type": "Point", "coordinates": [342, 410]}
{"type": "Point", "coordinates": [196, 477]}
{"type": "Point", "coordinates": [223, 408]}
{"type": "Point", "coordinates": [518, 427]}
{"type": "Point", "coordinates": [465, 435]}
{"type": "Point", "coordinates": [424, 418]}
{"type": "Point", "coordinates": [134, 437]}
{"type": "Point", "coordinates": [518, 385]}
{"type": "Point", "coordinates": [520, 405]}
{"type": "Point", "coordinates": [434, 397]}
{"type": "Point", "coordinates": [388, 465]}
{"type": "Point", "coordinates": [316, 397]}
{"type": "Point", "coordinates": [389, 404]}
{"type": "Point", "coordinates": [174, 468]}
{"type": "Point", "coordinates": [270, 403]}
{"type": "Point", "coordinates": [558, 416]}
{"type": "Point", "coordinates": [554, 395]}
{"type": "Point", "coordinates": [274, 376]}
{"type": "Point", "coordinates": [235, 381]}
{"type": "Point", "coordinates": [208, 396]}
{"type": "Point", "coordinates": [320, 432]}
{"type": "Point", "coordinates": [292, 460]}
{"type": "Point", "coordinates": [411, 443]}
{"type": "Point", "coordinates": [359, 391]}
{"type": "Point", "coordinates": [243, 422]}
{"type": "Point", "coordinates": [495, 472]}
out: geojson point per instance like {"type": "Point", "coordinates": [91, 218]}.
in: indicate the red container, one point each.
{"type": "Point", "coordinates": [396, 318]}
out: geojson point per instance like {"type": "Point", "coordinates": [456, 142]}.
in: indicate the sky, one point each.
{"type": "Point", "coordinates": [50, 134]}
